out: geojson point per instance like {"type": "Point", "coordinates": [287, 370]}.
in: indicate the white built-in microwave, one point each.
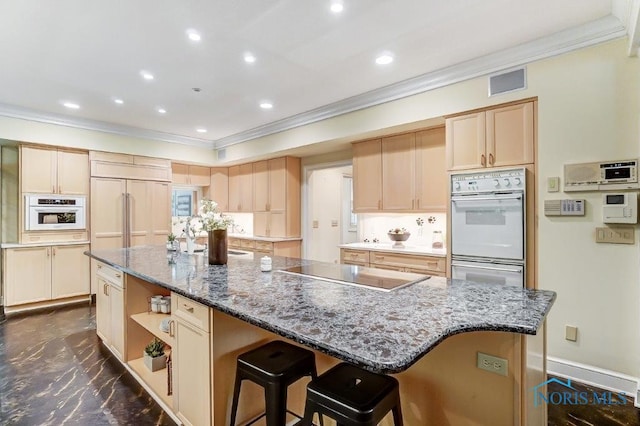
{"type": "Point", "coordinates": [48, 212]}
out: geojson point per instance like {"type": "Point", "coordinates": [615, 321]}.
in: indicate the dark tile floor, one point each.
{"type": "Point", "coordinates": [55, 371]}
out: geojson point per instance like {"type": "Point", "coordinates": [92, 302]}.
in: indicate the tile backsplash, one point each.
{"type": "Point", "coordinates": [243, 224]}
{"type": "Point", "coordinates": [376, 225]}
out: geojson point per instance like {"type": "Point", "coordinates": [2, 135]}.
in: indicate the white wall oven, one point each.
{"type": "Point", "coordinates": [44, 212]}
{"type": "Point", "coordinates": [488, 226]}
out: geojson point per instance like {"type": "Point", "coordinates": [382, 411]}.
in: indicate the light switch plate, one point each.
{"type": "Point", "coordinates": [315, 224]}
{"type": "Point", "coordinates": [616, 235]}
{"type": "Point", "coordinates": [553, 184]}
{"type": "Point", "coordinates": [571, 333]}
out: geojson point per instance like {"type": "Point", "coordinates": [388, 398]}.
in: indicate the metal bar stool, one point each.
{"type": "Point", "coordinates": [353, 397]}
{"type": "Point", "coordinates": [274, 366]}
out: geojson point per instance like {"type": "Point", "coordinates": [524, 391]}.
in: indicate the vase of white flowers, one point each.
{"type": "Point", "coordinates": [216, 224]}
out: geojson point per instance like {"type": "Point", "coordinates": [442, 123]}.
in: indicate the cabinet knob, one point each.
{"type": "Point", "coordinates": [482, 160]}
{"type": "Point", "coordinates": [118, 275]}
{"type": "Point", "coordinates": [187, 308]}
{"type": "Point", "coordinates": [491, 159]}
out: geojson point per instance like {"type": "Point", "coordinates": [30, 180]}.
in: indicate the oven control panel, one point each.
{"type": "Point", "coordinates": [498, 181]}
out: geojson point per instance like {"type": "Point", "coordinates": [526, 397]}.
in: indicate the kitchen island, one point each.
{"type": "Point", "coordinates": [387, 332]}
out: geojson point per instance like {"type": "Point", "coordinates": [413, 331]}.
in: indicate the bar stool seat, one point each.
{"type": "Point", "coordinates": [274, 366]}
{"type": "Point", "coordinates": [353, 397]}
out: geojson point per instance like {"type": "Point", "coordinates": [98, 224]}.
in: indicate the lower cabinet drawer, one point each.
{"type": "Point", "coordinates": [234, 242]}
{"type": "Point", "coordinates": [410, 263]}
{"type": "Point", "coordinates": [265, 246]}
{"type": "Point", "coordinates": [247, 244]}
{"type": "Point", "coordinates": [189, 311]}
{"type": "Point", "coordinates": [354, 257]}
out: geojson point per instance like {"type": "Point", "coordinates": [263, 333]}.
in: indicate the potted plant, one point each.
{"type": "Point", "coordinates": [216, 224]}
{"type": "Point", "coordinates": [154, 357]}
{"type": "Point", "coordinates": [171, 241]}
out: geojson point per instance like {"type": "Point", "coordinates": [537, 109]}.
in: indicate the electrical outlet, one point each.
{"type": "Point", "coordinates": [493, 364]}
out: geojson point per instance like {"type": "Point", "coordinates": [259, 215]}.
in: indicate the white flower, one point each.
{"type": "Point", "coordinates": [211, 218]}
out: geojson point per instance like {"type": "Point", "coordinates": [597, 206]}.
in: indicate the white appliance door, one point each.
{"type": "Point", "coordinates": [488, 225]}
{"type": "Point", "coordinates": [490, 273]}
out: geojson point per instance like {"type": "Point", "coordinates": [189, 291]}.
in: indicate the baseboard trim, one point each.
{"type": "Point", "coordinates": [594, 376]}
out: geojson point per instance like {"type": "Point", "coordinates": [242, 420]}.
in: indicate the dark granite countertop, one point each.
{"type": "Point", "coordinates": [380, 331]}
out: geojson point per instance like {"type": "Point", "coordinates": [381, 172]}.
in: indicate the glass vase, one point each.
{"type": "Point", "coordinates": [218, 247]}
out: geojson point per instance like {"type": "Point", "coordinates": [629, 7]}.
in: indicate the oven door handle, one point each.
{"type": "Point", "coordinates": [490, 268]}
{"type": "Point", "coordinates": [474, 198]}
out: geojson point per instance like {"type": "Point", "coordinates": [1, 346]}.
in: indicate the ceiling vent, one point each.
{"type": "Point", "coordinates": [506, 82]}
{"type": "Point", "coordinates": [222, 154]}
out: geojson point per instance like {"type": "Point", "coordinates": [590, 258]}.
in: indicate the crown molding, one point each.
{"type": "Point", "coordinates": [599, 31]}
{"type": "Point", "coordinates": [13, 111]}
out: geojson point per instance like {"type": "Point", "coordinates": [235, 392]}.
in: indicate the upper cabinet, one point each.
{"type": "Point", "coordinates": [270, 183]}
{"type": "Point", "coordinates": [218, 190]}
{"type": "Point", "coordinates": [401, 173]}
{"type": "Point", "coordinates": [367, 176]}
{"type": "Point", "coordinates": [241, 188]}
{"type": "Point", "coordinates": [53, 171]}
{"type": "Point", "coordinates": [187, 174]}
{"type": "Point", "coordinates": [492, 138]}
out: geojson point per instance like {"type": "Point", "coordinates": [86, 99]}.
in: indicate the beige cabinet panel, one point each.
{"type": "Point", "coordinates": [116, 300]}
{"type": "Point", "coordinates": [278, 184]}
{"type": "Point", "coordinates": [192, 366]}
{"type": "Point", "coordinates": [431, 174]}
{"type": "Point", "coordinates": [69, 271]}
{"type": "Point", "coordinates": [179, 173]}
{"type": "Point", "coordinates": [159, 212]}
{"type": "Point", "coordinates": [466, 141]}
{"type": "Point", "coordinates": [234, 188]}
{"type": "Point", "coordinates": [110, 310]}
{"type": "Point", "coordinates": [261, 224]}
{"type": "Point", "coordinates": [277, 224]}
{"type": "Point", "coordinates": [510, 135]}
{"type": "Point", "coordinates": [27, 275]}
{"type": "Point", "coordinates": [103, 310]}
{"type": "Point", "coordinates": [107, 212]}
{"type": "Point", "coordinates": [187, 174]}
{"type": "Point", "coordinates": [260, 186]}
{"type": "Point", "coordinates": [246, 187]}
{"type": "Point", "coordinates": [367, 176]}
{"type": "Point", "coordinates": [398, 172]}
{"type": "Point", "coordinates": [219, 187]}
{"type": "Point", "coordinates": [54, 171]}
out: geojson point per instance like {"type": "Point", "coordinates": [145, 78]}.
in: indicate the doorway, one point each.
{"type": "Point", "coordinates": [327, 211]}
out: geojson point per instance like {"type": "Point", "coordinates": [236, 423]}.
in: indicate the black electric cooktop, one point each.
{"type": "Point", "coordinates": [376, 279]}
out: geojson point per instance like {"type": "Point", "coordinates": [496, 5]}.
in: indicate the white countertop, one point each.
{"type": "Point", "coordinates": [43, 244]}
{"type": "Point", "coordinates": [387, 247]}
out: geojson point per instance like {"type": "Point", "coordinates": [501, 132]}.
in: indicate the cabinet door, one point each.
{"type": "Point", "coordinates": [510, 135]}
{"type": "Point", "coordinates": [261, 224]}
{"type": "Point", "coordinates": [199, 175]}
{"type": "Point", "coordinates": [117, 317]}
{"type": "Point", "coordinates": [159, 213]}
{"type": "Point", "coordinates": [367, 176]}
{"type": "Point", "coordinates": [192, 355]}
{"type": "Point", "coordinates": [398, 172]}
{"type": "Point", "coordinates": [466, 141]}
{"type": "Point", "coordinates": [73, 173]}
{"type": "Point", "coordinates": [139, 212]}
{"type": "Point", "coordinates": [27, 275]}
{"type": "Point", "coordinates": [107, 212]}
{"type": "Point", "coordinates": [219, 187]}
{"type": "Point", "coordinates": [180, 173]}
{"type": "Point", "coordinates": [69, 271]}
{"type": "Point", "coordinates": [38, 170]}
{"type": "Point", "coordinates": [277, 224]}
{"type": "Point", "coordinates": [431, 173]}
{"type": "Point", "coordinates": [261, 186]}
{"type": "Point", "coordinates": [278, 184]}
{"type": "Point", "coordinates": [234, 189]}
{"type": "Point", "coordinates": [246, 187]}
{"type": "Point", "coordinates": [103, 310]}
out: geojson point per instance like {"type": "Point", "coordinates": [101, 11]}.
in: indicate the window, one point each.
{"type": "Point", "coordinates": [183, 202]}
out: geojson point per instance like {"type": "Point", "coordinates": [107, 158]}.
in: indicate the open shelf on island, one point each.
{"type": "Point", "coordinates": [155, 380]}
{"type": "Point", "coordinates": [150, 321]}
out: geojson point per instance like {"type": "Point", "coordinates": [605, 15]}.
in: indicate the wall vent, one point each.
{"type": "Point", "coordinates": [506, 82]}
{"type": "Point", "coordinates": [222, 154]}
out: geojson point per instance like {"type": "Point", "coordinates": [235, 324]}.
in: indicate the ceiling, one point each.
{"type": "Point", "coordinates": [310, 63]}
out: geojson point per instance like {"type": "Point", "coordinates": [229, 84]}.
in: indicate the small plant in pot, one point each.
{"type": "Point", "coordinates": [154, 357]}
{"type": "Point", "coordinates": [171, 242]}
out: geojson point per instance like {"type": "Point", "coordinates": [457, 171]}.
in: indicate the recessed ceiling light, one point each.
{"type": "Point", "coordinates": [384, 59]}
{"type": "Point", "coordinates": [146, 75]}
{"type": "Point", "coordinates": [161, 111]}
{"type": "Point", "coordinates": [118, 101]}
{"type": "Point", "coordinates": [194, 35]}
{"type": "Point", "coordinates": [249, 58]}
{"type": "Point", "coordinates": [71, 105]}
{"type": "Point", "coordinates": [336, 6]}
{"type": "Point", "coordinates": [201, 130]}
{"type": "Point", "coordinates": [266, 105]}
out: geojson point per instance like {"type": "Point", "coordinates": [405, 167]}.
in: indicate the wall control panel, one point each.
{"type": "Point", "coordinates": [620, 207]}
{"type": "Point", "coordinates": [564, 207]}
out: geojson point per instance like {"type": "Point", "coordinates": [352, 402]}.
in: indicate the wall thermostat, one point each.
{"type": "Point", "coordinates": [620, 207]}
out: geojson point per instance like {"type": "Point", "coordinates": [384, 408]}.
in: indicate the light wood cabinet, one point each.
{"type": "Point", "coordinates": [123, 166]}
{"type": "Point", "coordinates": [188, 174]}
{"type": "Point", "coordinates": [277, 198]}
{"type": "Point", "coordinates": [287, 248]}
{"type": "Point", "coordinates": [192, 361]}
{"type": "Point", "coordinates": [218, 190]}
{"type": "Point", "coordinates": [398, 172]}
{"type": "Point", "coordinates": [110, 312]}
{"type": "Point", "coordinates": [44, 273]}
{"type": "Point", "coordinates": [422, 264]}
{"type": "Point", "coordinates": [431, 184]}
{"type": "Point", "coordinates": [53, 171]}
{"type": "Point", "coordinates": [354, 257]}
{"type": "Point", "coordinates": [241, 188]}
{"type": "Point", "coordinates": [495, 137]}
{"type": "Point", "coordinates": [367, 176]}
